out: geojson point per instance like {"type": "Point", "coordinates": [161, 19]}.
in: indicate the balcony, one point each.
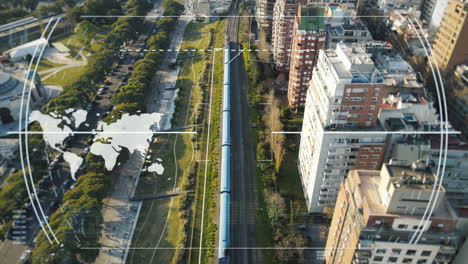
{"type": "Point", "coordinates": [363, 253]}
{"type": "Point", "coordinates": [366, 244]}
{"type": "Point", "coordinates": [340, 113]}
{"type": "Point", "coordinates": [447, 250]}
{"type": "Point", "coordinates": [361, 260]}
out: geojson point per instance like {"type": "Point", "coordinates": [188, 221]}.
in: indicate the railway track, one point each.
{"type": "Point", "coordinates": [243, 181]}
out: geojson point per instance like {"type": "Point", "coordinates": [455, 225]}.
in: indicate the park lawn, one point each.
{"type": "Point", "coordinates": [47, 64]}
{"type": "Point", "coordinates": [88, 43]}
{"type": "Point", "coordinates": [190, 96]}
{"type": "Point", "coordinates": [212, 184]}
{"type": "Point", "coordinates": [64, 77]}
{"type": "Point", "coordinates": [289, 180]}
{"type": "Point", "coordinates": [151, 222]}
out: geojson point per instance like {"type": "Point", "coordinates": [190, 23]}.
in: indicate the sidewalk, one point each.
{"type": "Point", "coordinates": [162, 100]}
{"type": "Point", "coordinates": [119, 213]}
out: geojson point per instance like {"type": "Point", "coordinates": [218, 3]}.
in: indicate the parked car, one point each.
{"type": "Point", "coordinates": [25, 256]}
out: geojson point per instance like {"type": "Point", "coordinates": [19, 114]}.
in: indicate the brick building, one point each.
{"type": "Point", "coordinates": [284, 13]}
{"type": "Point", "coordinates": [307, 39]}
{"type": "Point", "coordinates": [378, 213]}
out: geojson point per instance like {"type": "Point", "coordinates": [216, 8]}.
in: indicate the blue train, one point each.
{"type": "Point", "coordinates": [225, 188]}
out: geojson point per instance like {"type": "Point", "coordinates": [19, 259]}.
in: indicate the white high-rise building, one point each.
{"type": "Point", "coordinates": [433, 12]}
{"type": "Point", "coordinates": [342, 128]}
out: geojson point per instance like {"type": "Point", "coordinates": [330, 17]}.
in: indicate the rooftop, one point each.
{"type": "Point", "coordinates": [418, 176]}
{"type": "Point", "coordinates": [368, 182]}
{"type": "Point", "coordinates": [312, 19]}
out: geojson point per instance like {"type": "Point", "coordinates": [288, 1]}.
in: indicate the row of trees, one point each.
{"type": "Point", "coordinates": [79, 93]}
{"type": "Point", "coordinates": [78, 223]}
{"type": "Point", "coordinates": [131, 97]}
{"type": "Point", "coordinates": [13, 194]}
{"type": "Point", "coordinates": [267, 118]}
{"type": "Point", "coordinates": [26, 4]}
{"type": "Point", "coordinates": [11, 14]}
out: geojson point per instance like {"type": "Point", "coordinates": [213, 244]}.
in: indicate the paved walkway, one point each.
{"type": "Point", "coordinates": [119, 213]}
{"type": "Point", "coordinates": [162, 100]}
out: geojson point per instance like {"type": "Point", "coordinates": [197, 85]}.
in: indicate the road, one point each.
{"type": "Point", "coordinates": [243, 178]}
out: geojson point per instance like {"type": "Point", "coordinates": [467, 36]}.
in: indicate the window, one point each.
{"type": "Point", "coordinates": [377, 150]}
{"type": "Point", "coordinates": [364, 156]}
{"type": "Point", "coordinates": [362, 163]}
{"type": "Point", "coordinates": [396, 251]}
{"type": "Point", "coordinates": [407, 260]}
{"type": "Point", "coordinates": [375, 156]}
{"type": "Point", "coordinates": [426, 253]}
{"type": "Point", "coordinates": [358, 90]}
{"type": "Point", "coordinates": [374, 99]}
{"type": "Point", "coordinates": [402, 226]}
{"type": "Point", "coordinates": [356, 99]}
{"type": "Point", "coordinates": [378, 258]}
{"type": "Point", "coordinates": [392, 259]}
{"type": "Point", "coordinates": [410, 252]}
{"type": "Point", "coordinates": [378, 222]}
{"type": "Point", "coordinates": [365, 149]}
{"type": "Point", "coordinates": [422, 261]}
{"type": "Point", "coordinates": [381, 251]}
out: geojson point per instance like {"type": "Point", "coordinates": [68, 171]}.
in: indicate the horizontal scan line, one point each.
{"type": "Point", "coordinates": [231, 248]}
{"type": "Point", "coordinates": [96, 132]}
{"type": "Point", "coordinates": [371, 132]}
{"type": "Point", "coordinates": [192, 16]}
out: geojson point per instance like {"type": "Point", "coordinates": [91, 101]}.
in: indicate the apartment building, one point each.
{"type": "Point", "coordinates": [432, 12]}
{"type": "Point", "coordinates": [344, 26]}
{"type": "Point", "coordinates": [378, 212]}
{"type": "Point", "coordinates": [390, 5]}
{"type": "Point", "coordinates": [264, 13]}
{"type": "Point", "coordinates": [449, 48]}
{"type": "Point", "coordinates": [343, 117]}
{"type": "Point", "coordinates": [410, 41]}
{"type": "Point", "coordinates": [284, 13]}
{"type": "Point", "coordinates": [352, 30]}
{"type": "Point", "coordinates": [307, 39]}
{"type": "Point", "coordinates": [427, 148]}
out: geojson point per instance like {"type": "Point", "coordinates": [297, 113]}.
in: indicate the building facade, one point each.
{"type": "Point", "coordinates": [378, 212]}
{"type": "Point", "coordinates": [350, 31]}
{"type": "Point", "coordinates": [427, 148]}
{"type": "Point", "coordinates": [432, 12]}
{"type": "Point", "coordinates": [264, 13]}
{"type": "Point", "coordinates": [284, 14]}
{"type": "Point", "coordinates": [343, 118]}
{"type": "Point", "coordinates": [449, 48]}
{"type": "Point", "coordinates": [307, 39]}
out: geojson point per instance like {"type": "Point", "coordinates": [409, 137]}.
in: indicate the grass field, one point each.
{"type": "Point", "coordinates": [196, 36]}
{"type": "Point", "coordinates": [65, 76]}
{"type": "Point", "coordinates": [47, 64]}
{"type": "Point", "coordinates": [76, 42]}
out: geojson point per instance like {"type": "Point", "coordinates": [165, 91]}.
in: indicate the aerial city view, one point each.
{"type": "Point", "coordinates": [233, 131]}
